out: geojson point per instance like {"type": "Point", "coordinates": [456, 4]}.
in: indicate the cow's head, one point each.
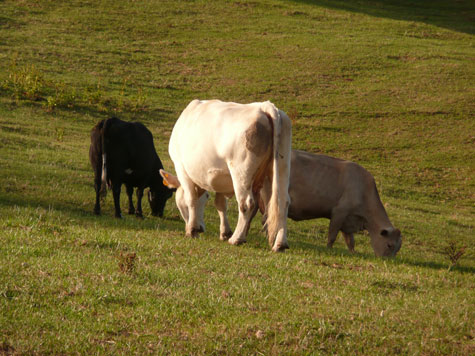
{"type": "Point", "coordinates": [158, 197]}
{"type": "Point", "coordinates": [172, 182]}
{"type": "Point", "coordinates": [387, 242]}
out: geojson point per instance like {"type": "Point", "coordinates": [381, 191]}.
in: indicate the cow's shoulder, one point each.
{"type": "Point", "coordinates": [351, 168]}
{"type": "Point", "coordinates": [359, 182]}
{"type": "Point", "coordinates": [192, 106]}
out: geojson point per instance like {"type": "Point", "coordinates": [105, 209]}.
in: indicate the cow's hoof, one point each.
{"type": "Point", "coordinates": [139, 215]}
{"type": "Point", "coordinates": [280, 247]}
{"type": "Point", "coordinates": [97, 212]}
{"type": "Point", "coordinates": [118, 216]}
{"type": "Point", "coordinates": [329, 245]}
{"type": "Point", "coordinates": [131, 212]}
{"type": "Point", "coordinates": [236, 242]}
{"type": "Point", "coordinates": [195, 233]}
{"type": "Point", "coordinates": [225, 236]}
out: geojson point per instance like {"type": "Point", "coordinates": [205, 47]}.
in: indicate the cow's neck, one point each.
{"type": "Point", "coordinates": [377, 218]}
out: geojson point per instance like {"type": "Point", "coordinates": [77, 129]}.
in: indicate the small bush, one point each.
{"type": "Point", "coordinates": [454, 252]}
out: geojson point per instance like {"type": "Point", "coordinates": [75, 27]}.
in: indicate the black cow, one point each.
{"type": "Point", "coordinates": [123, 153]}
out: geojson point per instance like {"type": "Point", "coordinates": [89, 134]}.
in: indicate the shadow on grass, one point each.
{"type": "Point", "coordinates": [321, 249]}
{"type": "Point", "coordinates": [435, 265]}
{"type": "Point", "coordinates": [88, 218]}
{"type": "Point", "coordinates": [452, 15]}
{"type": "Point", "coordinates": [175, 223]}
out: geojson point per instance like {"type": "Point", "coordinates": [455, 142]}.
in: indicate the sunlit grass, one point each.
{"type": "Point", "coordinates": [386, 84]}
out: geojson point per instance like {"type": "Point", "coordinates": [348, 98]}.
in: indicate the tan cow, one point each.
{"type": "Point", "coordinates": [344, 192]}
{"type": "Point", "coordinates": [232, 148]}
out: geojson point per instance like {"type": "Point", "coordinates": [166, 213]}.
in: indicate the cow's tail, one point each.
{"type": "Point", "coordinates": [278, 203]}
{"type": "Point", "coordinates": [103, 190]}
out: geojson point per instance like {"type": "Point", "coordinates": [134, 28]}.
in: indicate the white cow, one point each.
{"type": "Point", "coordinates": [233, 149]}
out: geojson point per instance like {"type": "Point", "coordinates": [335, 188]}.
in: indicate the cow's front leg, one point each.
{"type": "Point", "coordinates": [191, 195]}
{"type": "Point", "coordinates": [192, 227]}
{"type": "Point", "coordinates": [350, 241]}
{"type": "Point", "coordinates": [138, 213]}
{"type": "Point", "coordinates": [130, 192]}
{"type": "Point", "coordinates": [116, 193]}
{"type": "Point", "coordinates": [220, 203]}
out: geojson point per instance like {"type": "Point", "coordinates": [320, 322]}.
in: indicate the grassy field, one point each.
{"type": "Point", "coordinates": [388, 84]}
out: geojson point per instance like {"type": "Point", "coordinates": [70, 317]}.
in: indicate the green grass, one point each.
{"type": "Point", "coordinates": [388, 84]}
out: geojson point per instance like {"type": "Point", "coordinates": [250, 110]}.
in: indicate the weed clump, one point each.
{"type": "Point", "coordinates": [127, 262]}
{"type": "Point", "coordinates": [27, 83]}
{"type": "Point", "coordinates": [454, 252]}
{"type": "Point", "coordinates": [24, 83]}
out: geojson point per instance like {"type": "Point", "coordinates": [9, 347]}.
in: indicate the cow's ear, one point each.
{"type": "Point", "coordinates": [384, 233]}
{"type": "Point", "coordinates": [169, 179]}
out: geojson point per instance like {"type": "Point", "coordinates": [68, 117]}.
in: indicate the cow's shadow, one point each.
{"type": "Point", "coordinates": [301, 243]}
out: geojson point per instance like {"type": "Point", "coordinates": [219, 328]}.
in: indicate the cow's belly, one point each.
{"type": "Point", "coordinates": [215, 178]}
{"type": "Point", "coordinates": [352, 224]}
{"type": "Point", "coordinates": [297, 213]}
{"type": "Point", "coordinates": [209, 174]}
{"type": "Point", "coordinates": [307, 202]}
{"type": "Point", "coordinates": [219, 180]}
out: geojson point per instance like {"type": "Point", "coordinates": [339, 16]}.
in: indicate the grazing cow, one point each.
{"type": "Point", "coordinates": [342, 191]}
{"type": "Point", "coordinates": [123, 152]}
{"type": "Point", "coordinates": [232, 148]}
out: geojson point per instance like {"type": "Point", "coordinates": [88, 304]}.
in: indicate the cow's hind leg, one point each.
{"type": "Point", "coordinates": [116, 192]}
{"type": "Point", "coordinates": [247, 207]}
{"type": "Point", "coordinates": [220, 203]}
{"type": "Point", "coordinates": [138, 212]}
{"type": "Point", "coordinates": [350, 241]}
{"type": "Point", "coordinates": [336, 222]}
{"type": "Point", "coordinates": [253, 213]}
{"type": "Point", "coordinates": [130, 192]}
{"type": "Point", "coordinates": [97, 206]}
{"type": "Point", "coordinates": [97, 187]}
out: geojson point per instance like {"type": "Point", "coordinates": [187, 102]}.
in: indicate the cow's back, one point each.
{"type": "Point", "coordinates": [142, 149]}
{"type": "Point", "coordinates": [319, 183]}
{"type": "Point", "coordinates": [210, 134]}
{"type": "Point", "coordinates": [129, 145]}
